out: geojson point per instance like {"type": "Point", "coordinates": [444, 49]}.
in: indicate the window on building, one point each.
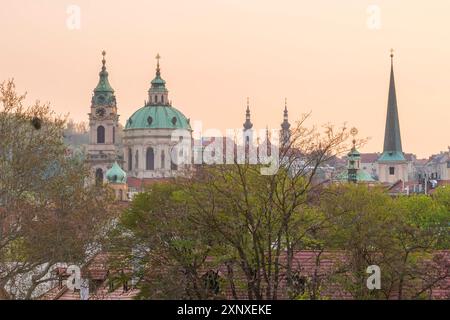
{"type": "Point", "coordinates": [391, 171]}
{"type": "Point", "coordinates": [130, 159]}
{"type": "Point", "coordinates": [162, 99]}
{"type": "Point", "coordinates": [114, 135]}
{"type": "Point", "coordinates": [101, 134]}
{"type": "Point", "coordinates": [156, 99]}
{"type": "Point", "coordinates": [150, 159]}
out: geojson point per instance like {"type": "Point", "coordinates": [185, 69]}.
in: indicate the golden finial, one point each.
{"type": "Point", "coordinates": [157, 64]}
{"type": "Point", "coordinates": [392, 52]}
{"type": "Point", "coordinates": [103, 60]}
{"type": "Point", "coordinates": [354, 132]}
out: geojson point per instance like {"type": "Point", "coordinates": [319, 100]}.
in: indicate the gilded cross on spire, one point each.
{"type": "Point", "coordinates": [392, 56]}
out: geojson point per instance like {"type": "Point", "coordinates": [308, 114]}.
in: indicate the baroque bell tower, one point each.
{"type": "Point", "coordinates": [103, 126]}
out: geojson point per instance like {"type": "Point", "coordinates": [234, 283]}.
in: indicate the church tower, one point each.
{"type": "Point", "coordinates": [392, 164]}
{"type": "Point", "coordinates": [103, 126]}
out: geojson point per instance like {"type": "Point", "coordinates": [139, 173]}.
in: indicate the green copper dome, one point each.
{"type": "Point", "coordinates": [157, 117]}
{"type": "Point", "coordinates": [361, 176]}
{"type": "Point", "coordinates": [116, 174]}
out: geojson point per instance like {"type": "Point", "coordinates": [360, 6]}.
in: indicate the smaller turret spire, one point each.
{"type": "Point", "coordinates": [247, 124]}
{"type": "Point", "coordinates": [285, 132]}
{"type": "Point", "coordinates": [103, 92]}
{"type": "Point", "coordinates": [103, 83]}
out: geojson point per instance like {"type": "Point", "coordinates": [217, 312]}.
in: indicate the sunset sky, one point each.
{"type": "Point", "coordinates": [322, 55]}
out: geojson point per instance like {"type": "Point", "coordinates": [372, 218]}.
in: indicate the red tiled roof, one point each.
{"type": "Point", "coordinates": [369, 157]}
{"type": "Point", "coordinates": [140, 183]}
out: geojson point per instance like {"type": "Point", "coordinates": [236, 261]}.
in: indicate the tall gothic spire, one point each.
{"type": "Point", "coordinates": [247, 124]}
{"type": "Point", "coordinates": [392, 137]}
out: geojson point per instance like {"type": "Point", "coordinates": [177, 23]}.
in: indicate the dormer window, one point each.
{"type": "Point", "coordinates": [149, 120]}
{"type": "Point", "coordinates": [174, 120]}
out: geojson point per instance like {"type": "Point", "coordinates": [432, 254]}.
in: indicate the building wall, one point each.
{"type": "Point", "coordinates": [139, 140]}
{"type": "Point", "coordinates": [400, 171]}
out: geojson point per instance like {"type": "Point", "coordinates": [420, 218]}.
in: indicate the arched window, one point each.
{"type": "Point", "coordinates": [163, 159]}
{"type": "Point", "coordinates": [99, 176]}
{"type": "Point", "coordinates": [101, 134]}
{"type": "Point", "coordinates": [156, 99]}
{"type": "Point", "coordinates": [150, 159]}
{"type": "Point", "coordinates": [130, 159]}
{"type": "Point", "coordinates": [162, 99]}
{"type": "Point", "coordinates": [136, 160]}
{"type": "Point", "coordinates": [114, 135]}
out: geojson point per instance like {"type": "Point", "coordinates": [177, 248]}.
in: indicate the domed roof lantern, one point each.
{"type": "Point", "coordinates": [158, 93]}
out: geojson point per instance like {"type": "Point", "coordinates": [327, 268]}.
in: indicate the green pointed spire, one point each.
{"type": "Point", "coordinates": [392, 149]}
{"type": "Point", "coordinates": [103, 92]}
{"type": "Point", "coordinates": [103, 83]}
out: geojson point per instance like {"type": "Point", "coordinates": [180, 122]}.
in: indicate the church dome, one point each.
{"type": "Point", "coordinates": [116, 174]}
{"type": "Point", "coordinates": [158, 117]}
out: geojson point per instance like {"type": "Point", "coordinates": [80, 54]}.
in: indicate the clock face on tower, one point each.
{"type": "Point", "coordinates": [100, 112]}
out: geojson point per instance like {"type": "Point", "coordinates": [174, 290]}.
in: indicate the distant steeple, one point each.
{"type": "Point", "coordinates": [103, 92]}
{"type": "Point", "coordinates": [392, 139]}
{"type": "Point", "coordinates": [158, 93]}
{"type": "Point", "coordinates": [247, 124]}
{"type": "Point", "coordinates": [285, 132]}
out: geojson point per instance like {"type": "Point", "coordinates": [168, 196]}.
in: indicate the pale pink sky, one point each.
{"type": "Point", "coordinates": [319, 54]}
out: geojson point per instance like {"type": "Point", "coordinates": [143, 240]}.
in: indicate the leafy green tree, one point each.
{"type": "Point", "coordinates": [158, 238]}
{"type": "Point", "coordinates": [400, 235]}
{"type": "Point", "coordinates": [49, 214]}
